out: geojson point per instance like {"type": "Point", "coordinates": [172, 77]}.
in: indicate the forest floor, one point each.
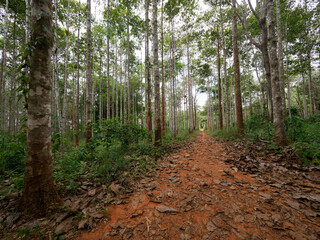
{"type": "Point", "coordinates": [212, 190]}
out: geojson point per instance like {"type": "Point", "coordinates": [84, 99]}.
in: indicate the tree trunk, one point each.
{"type": "Point", "coordinates": [78, 78]}
{"type": "Point", "coordinates": [108, 62]}
{"type": "Point", "coordinates": [64, 103]}
{"type": "Point", "coordinates": [162, 76]}
{"type": "Point", "coordinates": [121, 88]}
{"type": "Point", "coordinates": [189, 88]}
{"type": "Point", "coordinates": [116, 80]}
{"type": "Point", "coordinates": [3, 76]}
{"type": "Point", "coordinates": [236, 70]}
{"type": "Point", "coordinates": [305, 108]}
{"type": "Point", "coordinates": [280, 54]}
{"type": "Point", "coordinates": [12, 115]}
{"type": "Point", "coordinates": [227, 111]}
{"type": "Point", "coordinates": [89, 77]}
{"type": "Point", "coordinates": [39, 194]}
{"type": "Point", "coordinates": [128, 63]}
{"type": "Point", "coordinates": [156, 75]}
{"type": "Point", "coordinates": [278, 119]}
{"type": "Point", "coordinates": [219, 83]}
{"type": "Point", "coordinates": [147, 70]}
{"type": "Point", "coordinates": [311, 99]}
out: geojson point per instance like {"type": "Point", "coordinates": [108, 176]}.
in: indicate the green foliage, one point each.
{"type": "Point", "coordinates": [12, 153]}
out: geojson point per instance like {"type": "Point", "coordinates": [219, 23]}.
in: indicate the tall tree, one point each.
{"type": "Point", "coordinates": [278, 119]}
{"type": "Point", "coordinates": [88, 76]}
{"type": "Point", "coordinates": [78, 77]}
{"type": "Point", "coordinates": [64, 103]}
{"type": "Point", "coordinates": [219, 83]}
{"type": "Point", "coordinates": [162, 76]}
{"type": "Point", "coordinates": [237, 89]}
{"type": "Point", "coordinates": [40, 193]}
{"type": "Point", "coordinates": [190, 101]}
{"type": "Point", "coordinates": [147, 70]}
{"type": "Point", "coordinates": [108, 61]}
{"type": "Point", "coordinates": [3, 70]}
{"type": "Point", "coordinates": [156, 74]}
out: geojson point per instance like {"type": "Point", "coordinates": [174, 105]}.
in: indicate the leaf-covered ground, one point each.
{"type": "Point", "coordinates": [210, 190]}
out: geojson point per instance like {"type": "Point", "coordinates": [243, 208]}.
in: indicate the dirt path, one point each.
{"type": "Point", "coordinates": [196, 195]}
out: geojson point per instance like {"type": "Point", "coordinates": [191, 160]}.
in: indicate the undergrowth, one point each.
{"type": "Point", "coordinates": [303, 135]}
{"type": "Point", "coordinates": [115, 152]}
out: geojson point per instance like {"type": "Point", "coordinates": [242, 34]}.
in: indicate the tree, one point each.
{"type": "Point", "coordinates": [147, 70]}
{"type": "Point", "coordinates": [40, 194]}
{"type": "Point", "coordinates": [156, 75]}
{"type": "Point", "coordinates": [88, 76]}
{"type": "Point", "coordinates": [278, 118]}
{"type": "Point", "coordinates": [237, 89]}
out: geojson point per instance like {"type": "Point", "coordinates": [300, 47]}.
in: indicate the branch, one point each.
{"type": "Point", "coordinates": [253, 11]}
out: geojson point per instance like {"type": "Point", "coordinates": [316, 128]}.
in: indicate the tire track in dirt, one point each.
{"type": "Point", "coordinates": [196, 195]}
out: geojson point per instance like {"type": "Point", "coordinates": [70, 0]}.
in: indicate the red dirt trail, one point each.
{"type": "Point", "coordinates": [194, 194]}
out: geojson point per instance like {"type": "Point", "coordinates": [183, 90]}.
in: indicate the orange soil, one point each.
{"type": "Point", "coordinates": [213, 200]}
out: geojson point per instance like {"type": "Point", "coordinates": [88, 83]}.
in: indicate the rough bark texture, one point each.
{"type": "Point", "coordinates": [219, 83]}
{"type": "Point", "coordinates": [78, 78]}
{"type": "Point", "coordinates": [116, 80]}
{"type": "Point", "coordinates": [40, 194]}
{"type": "Point", "coordinates": [162, 76]}
{"type": "Point", "coordinates": [278, 119]}
{"type": "Point", "coordinates": [236, 70]}
{"type": "Point", "coordinates": [64, 103]}
{"type": "Point", "coordinates": [156, 75]}
{"type": "Point", "coordinates": [147, 71]}
{"type": "Point", "coordinates": [280, 54]}
{"type": "Point", "coordinates": [189, 89]}
{"type": "Point", "coordinates": [108, 62]}
{"type": "Point", "coordinates": [89, 77]}
{"type": "Point", "coordinates": [227, 111]}
{"type": "Point", "coordinates": [128, 63]}
{"type": "Point", "coordinates": [3, 72]}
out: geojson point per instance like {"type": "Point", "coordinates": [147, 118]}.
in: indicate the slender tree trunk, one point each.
{"type": "Point", "coordinates": [55, 68]}
{"type": "Point", "coordinates": [39, 194]}
{"type": "Point", "coordinates": [89, 76]}
{"type": "Point", "coordinates": [236, 70]}
{"type": "Point", "coordinates": [219, 83]}
{"type": "Point", "coordinates": [147, 70]}
{"type": "Point", "coordinates": [12, 114]}
{"type": "Point", "coordinates": [108, 62]}
{"type": "Point", "coordinates": [64, 103]}
{"type": "Point", "coordinates": [189, 88]}
{"type": "Point", "coordinates": [3, 76]}
{"type": "Point", "coordinates": [100, 91]}
{"type": "Point", "coordinates": [116, 80]}
{"type": "Point", "coordinates": [310, 85]}
{"type": "Point", "coordinates": [280, 54]}
{"type": "Point", "coordinates": [156, 75]}
{"type": "Point", "coordinates": [162, 77]}
{"type": "Point", "coordinates": [121, 87]}
{"type": "Point", "coordinates": [173, 83]}
{"type": "Point", "coordinates": [278, 119]}
{"type": "Point", "coordinates": [288, 82]}
{"type": "Point", "coordinates": [227, 111]}
{"type": "Point", "coordinates": [128, 63]}
{"type": "Point", "coordinates": [78, 78]}
{"type": "Point", "coordinates": [305, 108]}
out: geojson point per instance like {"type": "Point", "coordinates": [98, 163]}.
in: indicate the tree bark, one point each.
{"type": "Point", "coordinates": [304, 100]}
{"type": "Point", "coordinates": [219, 83]}
{"type": "Point", "coordinates": [227, 111]}
{"type": "Point", "coordinates": [3, 76]}
{"type": "Point", "coordinates": [40, 195]}
{"type": "Point", "coordinates": [162, 77]}
{"type": "Point", "coordinates": [156, 75]}
{"type": "Point", "coordinates": [64, 103]}
{"type": "Point", "coordinates": [128, 63]}
{"type": "Point", "coordinates": [278, 119]}
{"type": "Point", "coordinates": [189, 88]}
{"type": "Point", "coordinates": [237, 89]}
{"type": "Point", "coordinates": [108, 62]}
{"type": "Point", "coordinates": [147, 70]}
{"type": "Point", "coordinates": [280, 54]}
{"type": "Point", "coordinates": [116, 80]}
{"type": "Point", "coordinates": [89, 76]}
{"type": "Point", "coordinates": [78, 78]}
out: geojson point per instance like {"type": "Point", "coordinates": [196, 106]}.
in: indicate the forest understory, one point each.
{"type": "Point", "coordinates": [207, 189]}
